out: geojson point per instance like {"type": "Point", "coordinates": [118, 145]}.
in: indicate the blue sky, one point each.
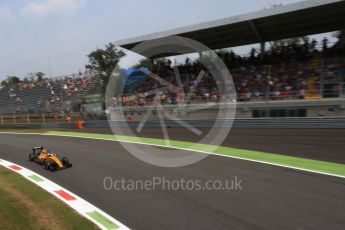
{"type": "Point", "coordinates": [65, 31]}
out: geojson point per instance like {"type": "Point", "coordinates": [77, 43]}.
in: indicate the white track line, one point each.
{"type": "Point", "coordinates": [185, 149]}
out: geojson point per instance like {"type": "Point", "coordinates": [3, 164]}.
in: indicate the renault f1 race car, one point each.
{"type": "Point", "coordinates": [50, 161]}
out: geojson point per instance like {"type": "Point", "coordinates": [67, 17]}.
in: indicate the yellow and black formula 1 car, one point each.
{"type": "Point", "coordinates": [50, 161]}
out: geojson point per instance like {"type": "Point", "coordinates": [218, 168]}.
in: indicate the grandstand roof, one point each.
{"type": "Point", "coordinates": [298, 19]}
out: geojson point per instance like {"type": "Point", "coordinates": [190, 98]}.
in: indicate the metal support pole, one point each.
{"type": "Point", "coordinates": [201, 56]}
{"type": "Point", "coordinates": [322, 79]}
{"type": "Point", "coordinates": [262, 48]}
{"type": "Point", "coordinates": [28, 119]}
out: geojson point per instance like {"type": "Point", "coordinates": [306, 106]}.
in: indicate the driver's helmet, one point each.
{"type": "Point", "coordinates": [44, 151]}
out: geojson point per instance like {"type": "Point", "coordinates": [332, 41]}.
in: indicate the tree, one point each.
{"type": "Point", "coordinates": [145, 62]}
{"type": "Point", "coordinates": [340, 35]}
{"type": "Point", "coordinates": [10, 81]}
{"type": "Point", "coordinates": [33, 77]}
{"type": "Point", "coordinates": [103, 62]}
{"type": "Point", "coordinates": [39, 76]}
{"type": "Point", "coordinates": [278, 44]}
{"type": "Point", "coordinates": [153, 65]}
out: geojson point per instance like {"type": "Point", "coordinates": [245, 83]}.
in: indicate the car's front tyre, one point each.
{"type": "Point", "coordinates": [66, 162]}
{"type": "Point", "coordinates": [32, 157]}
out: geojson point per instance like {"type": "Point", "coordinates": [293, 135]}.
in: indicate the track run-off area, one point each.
{"type": "Point", "coordinates": [277, 191]}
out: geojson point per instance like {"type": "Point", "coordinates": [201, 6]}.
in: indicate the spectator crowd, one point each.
{"type": "Point", "coordinates": [47, 95]}
{"type": "Point", "coordinates": [291, 71]}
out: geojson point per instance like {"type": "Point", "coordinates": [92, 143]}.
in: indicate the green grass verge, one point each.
{"type": "Point", "coordinates": [24, 205]}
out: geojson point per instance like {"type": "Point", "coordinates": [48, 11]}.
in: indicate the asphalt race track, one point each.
{"type": "Point", "coordinates": [317, 144]}
{"type": "Point", "coordinates": [271, 197]}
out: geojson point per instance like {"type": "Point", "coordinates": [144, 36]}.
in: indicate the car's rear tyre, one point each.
{"type": "Point", "coordinates": [32, 157]}
{"type": "Point", "coordinates": [45, 165]}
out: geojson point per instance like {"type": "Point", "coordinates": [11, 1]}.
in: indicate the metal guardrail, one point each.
{"type": "Point", "coordinates": [292, 123]}
{"type": "Point", "coordinates": [267, 123]}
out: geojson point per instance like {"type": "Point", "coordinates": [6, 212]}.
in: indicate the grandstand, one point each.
{"type": "Point", "coordinates": [59, 94]}
{"type": "Point", "coordinates": [301, 72]}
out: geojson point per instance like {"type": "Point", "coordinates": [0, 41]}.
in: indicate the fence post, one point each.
{"type": "Point", "coordinates": [28, 119]}
{"type": "Point", "coordinates": [322, 79]}
{"type": "Point", "coordinates": [14, 118]}
{"type": "Point", "coordinates": [2, 120]}
{"type": "Point", "coordinates": [43, 118]}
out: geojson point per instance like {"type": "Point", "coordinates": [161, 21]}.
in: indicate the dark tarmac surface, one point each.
{"type": "Point", "coordinates": [271, 197]}
{"type": "Point", "coordinates": [318, 144]}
